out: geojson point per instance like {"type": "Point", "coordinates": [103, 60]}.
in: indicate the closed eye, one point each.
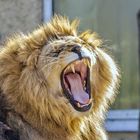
{"type": "Point", "coordinates": [56, 53]}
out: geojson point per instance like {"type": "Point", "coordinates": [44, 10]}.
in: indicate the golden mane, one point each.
{"type": "Point", "coordinates": [30, 82]}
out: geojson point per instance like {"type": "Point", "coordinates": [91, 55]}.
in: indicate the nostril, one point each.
{"type": "Point", "coordinates": [77, 50]}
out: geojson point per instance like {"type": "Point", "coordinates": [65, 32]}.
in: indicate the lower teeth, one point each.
{"type": "Point", "coordinates": [78, 104]}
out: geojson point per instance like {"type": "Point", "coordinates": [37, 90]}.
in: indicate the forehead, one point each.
{"type": "Point", "coordinates": [63, 44]}
{"type": "Point", "coordinates": [66, 41]}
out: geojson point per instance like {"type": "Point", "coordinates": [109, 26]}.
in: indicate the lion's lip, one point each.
{"type": "Point", "coordinates": [75, 82]}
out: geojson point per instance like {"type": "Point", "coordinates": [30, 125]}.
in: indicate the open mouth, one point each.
{"type": "Point", "coordinates": [75, 80]}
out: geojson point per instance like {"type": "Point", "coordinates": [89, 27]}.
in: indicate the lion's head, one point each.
{"type": "Point", "coordinates": [57, 74]}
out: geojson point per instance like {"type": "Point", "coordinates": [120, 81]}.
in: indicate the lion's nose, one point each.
{"type": "Point", "coordinates": [77, 50]}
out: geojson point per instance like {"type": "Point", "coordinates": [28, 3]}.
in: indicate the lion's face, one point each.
{"type": "Point", "coordinates": [80, 77]}
{"type": "Point", "coordinates": [67, 66]}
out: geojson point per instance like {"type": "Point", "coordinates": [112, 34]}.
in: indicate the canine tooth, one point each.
{"type": "Point", "coordinates": [88, 64]}
{"type": "Point", "coordinates": [84, 60]}
{"type": "Point", "coordinates": [72, 67]}
{"type": "Point", "coordinates": [68, 89]}
{"type": "Point", "coordinates": [78, 104]}
{"type": "Point", "coordinates": [68, 68]}
{"type": "Point", "coordinates": [90, 100]}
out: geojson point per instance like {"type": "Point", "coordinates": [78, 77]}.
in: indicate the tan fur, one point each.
{"type": "Point", "coordinates": [30, 83]}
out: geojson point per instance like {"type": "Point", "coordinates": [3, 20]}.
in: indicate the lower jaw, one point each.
{"type": "Point", "coordinates": [80, 115]}
{"type": "Point", "coordinates": [82, 109]}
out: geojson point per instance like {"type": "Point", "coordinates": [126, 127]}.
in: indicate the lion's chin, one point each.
{"type": "Point", "coordinates": [75, 81]}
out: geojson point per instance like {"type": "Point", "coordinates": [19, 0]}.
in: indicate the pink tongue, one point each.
{"type": "Point", "coordinates": [77, 90]}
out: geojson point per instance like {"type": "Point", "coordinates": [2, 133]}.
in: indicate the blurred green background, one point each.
{"type": "Point", "coordinates": [116, 22]}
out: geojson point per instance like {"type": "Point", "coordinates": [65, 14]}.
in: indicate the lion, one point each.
{"type": "Point", "coordinates": [57, 83]}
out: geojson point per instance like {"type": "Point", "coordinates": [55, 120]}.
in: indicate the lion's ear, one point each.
{"type": "Point", "coordinates": [105, 78]}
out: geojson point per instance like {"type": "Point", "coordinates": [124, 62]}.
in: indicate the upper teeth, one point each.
{"type": "Point", "coordinates": [89, 65]}
{"type": "Point", "coordinates": [71, 66]}
{"type": "Point", "coordinates": [84, 85]}
{"type": "Point", "coordinates": [85, 61]}
{"type": "Point", "coordinates": [84, 82]}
